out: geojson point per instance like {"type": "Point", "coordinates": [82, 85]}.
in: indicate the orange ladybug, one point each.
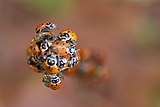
{"type": "Point", "coordinates": [52, 81]}
{"type": "Point", "coordinates": [60, 48]}
{"type": "Point", "coordinates": [34, 61]}
{"type": "Point", "coordinates": [63, 63]}
{"type": "Point", "coordinates": [47, 36]}
{"type": "Point", "coordinates": [44, 47]}
{"type": "Point", "coordinates": [71, 50]}
{"type": "Point", "coordinates": [74, 60]}
{"type": "Point", "coordinates": [50, 65]}
{"type": "Point", "coordinates": [45, 27]}
{"type": "Point", "coordinates": [68, 35]}
{"type": "Point", "coordinates": [38, 68]}
{"type": "Point", "coordinates": [35, 49]}
{"type": "Point", "coordinates": [35, 64]}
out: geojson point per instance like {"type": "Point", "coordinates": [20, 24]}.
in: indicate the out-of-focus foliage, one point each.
{"type": "Point", "coordinates": [146, 34]}
{"type": "Point", "coordinates": [155, 98]}
{"type": "Point", "coordinates": [129, 1]}
{"type": "Point", "coordinates": [46, 6]}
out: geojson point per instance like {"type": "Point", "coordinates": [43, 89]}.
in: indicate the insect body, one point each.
{"type": "Point", "coordinates": [51, 64]}
{"type": "Point", "coordinates": [44, 47]}
{"type": "Point", "coordinates": [45, 27]}
{"type": "Point", "coordinates": [35, 64]}
{"type": "Point", "coordinates": [74, 60]}
{"type": "Point", "coordinates": [68, 36]}
{"type": "Point", "coordinates": [60, 48]}
{"type": "Point", "coordinates": [52, 81]}
{"type": "Point", "coordinates": [63, 63]}
{"type": "Point", "coordinates": [71, 50]}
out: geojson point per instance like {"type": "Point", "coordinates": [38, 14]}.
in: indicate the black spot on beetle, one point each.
{"type": "Point", "coordinates": [38, 31]}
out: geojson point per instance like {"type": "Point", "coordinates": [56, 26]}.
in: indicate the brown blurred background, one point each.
{"type": "Point", "coordinates": [127, 30]}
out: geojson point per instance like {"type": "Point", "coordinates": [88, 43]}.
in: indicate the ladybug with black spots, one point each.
{"type": "Point", "coordinates": [50, 64]}
{"type": "Point", "coordinates": [60, 48]}
{"type": "Point", "coordinates": [52, 81]}
{"type": "Point", "coordinates": [45, 27]}
{"type": "Point", "coordinates": [68, 36]}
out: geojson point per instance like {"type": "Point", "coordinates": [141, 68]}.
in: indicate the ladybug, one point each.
{"type": "Point", "coordinates": [40, 47]}
{"type": "Point", "coordinates": [34, 61]}
{"type": "Point", "coordinates": [71, 50]}
{"type": "Point", "coordinates": [35, 49]}
{"type": "Point", "coordinates": [31, 57]}
{"type": "Point", "coordinates": [60, 48]}
{"type": "Point", "coordinates": [35, 64]}
{"type": "Point", "coordinates": [74, 60]}
{"type": "Point", "coordinates": [52, 81]}
{"type": "Point", "coordinates": [73, 64]}
{"type": "Point", "coordinates": [38, 68]}
{"type": "Point", "coordinates": [44, 47]}
{"type": "Point", "coordinates": [63, 63]}
{"type": "Point", "coordinates": [45, 27]}
{"type": "Point", "coordinates": [68, 35]}
{"type": "Point", "coordinates": [47, 36]}
{"type": "Point", "coordinates": [51, 64]}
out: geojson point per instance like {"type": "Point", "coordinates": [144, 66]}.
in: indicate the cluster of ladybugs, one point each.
{"type": "Point", "coordinates": [51, 55]}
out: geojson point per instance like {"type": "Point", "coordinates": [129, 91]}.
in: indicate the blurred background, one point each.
{"type": "Point", "coordinates": [127, 30]}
